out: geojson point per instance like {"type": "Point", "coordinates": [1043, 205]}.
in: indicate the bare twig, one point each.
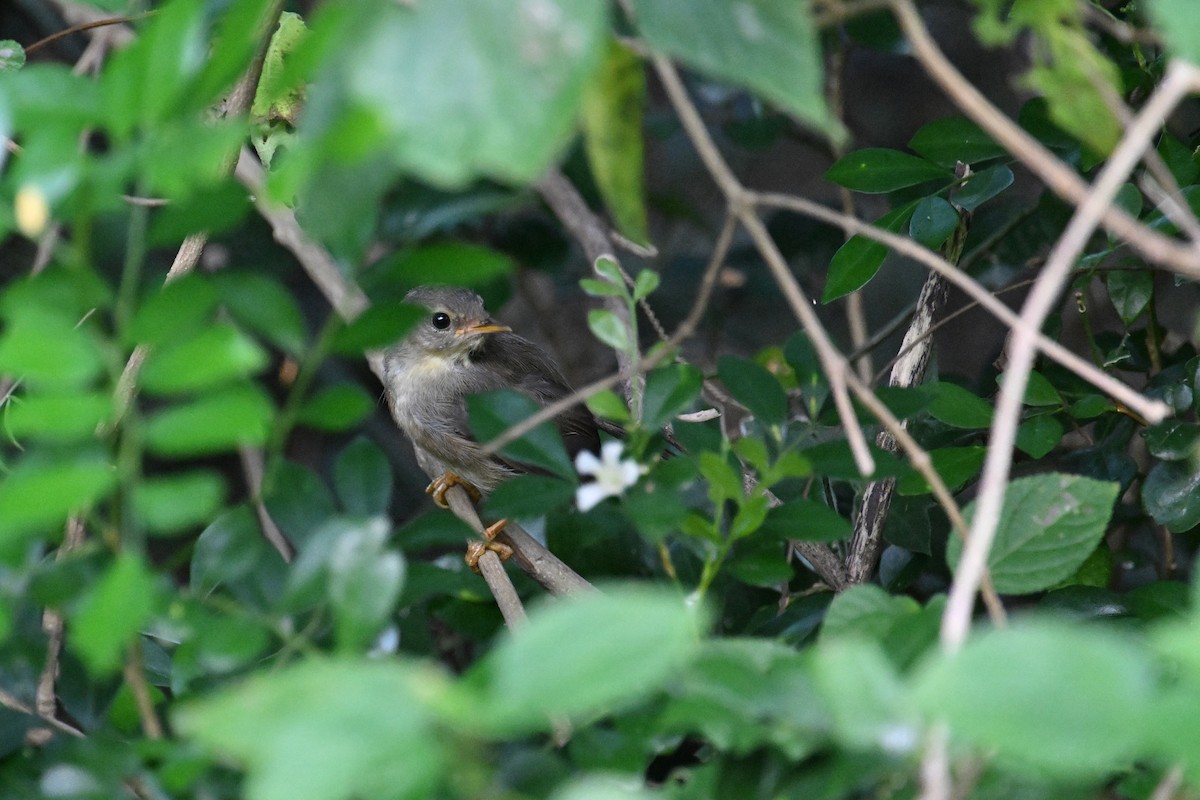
{"type": "Point", "coordinates": [1153, 411]}
{"type": "Point", "coordinates": [1179, 80]}
{"type": "Point", "coordinates": [253, 468]}
{"type": "Point", "coordinates": [11, 701]}
{"type": "Point", "coordinates": [135, 677]}
{"type": "Point", "coordinates": [490, 567]}
{"type": "Point", "coordinates": [1170, 784]}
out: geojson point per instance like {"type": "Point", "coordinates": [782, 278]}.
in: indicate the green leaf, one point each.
{"type": "Point", "coordinates": [113, 612]}
{"type": "Point", "coordinates": [365, 580]}
{"type": "Point", "coordinates": [608, 328]}
{"type": "Point", "coordinates": [1073, 83]}
{"type": "Point", "coordinates": [742, 694]}
{"type": "Point", "coordinates": [40, 493]}
{"type": "Point", "coordinates": [955, 465]}
{"type": "Point", "coordinates": [876, 170]}
{"type": "Point", "coordinates": [262, 305]}
{"type": "Point", "coordinates": [982, 186]}
{"type": "Point", "coordinates": [277, 724]}
{"type": "Point", "coordinates": [870, 707]}
{"type": "Point", "coordinates": [229, 550]}
{"type": "Point", "coordinates": [645, 284]}
{"type": "Point", "coordinates": [378, 326]}
{"type": "Point", "coordinates": [612, 138]}
{"type": "Point", "coordinates": [1063, 699]}
{"type": "Point", "coordinates": [769, 46]}
{"type": "Point", "coordinates": [277, 94]}
{"type": "Point", "coordinates": [608, 405]}
{"type": "Point", "coordinates": [1049, 524]}
{"type": "Point", "coordinates": [215, 356]}
{"type": "Point", "coordinates": [724, 482]}
{"type": "Point", "coordinates": [950, 140]}
{"type": "Point", "coordinates": [806, 520]}
{"type": "Point", "coordinates": [529, 496]}
{"type": "Point", "coordinates": [362, 478]}
{"type": "Point", "coordinates": [212, 423]}
{"type": "Point", "coordinates": [932, 222]}
{"type": "Point", "coordinates": [12, 55]}
{"type": "Point", "coordinates": [550, 671]}
{"type": "Point", "coordinates": [336, 408]}
{"type": "Point", "coordinates": [534, 59]}
{"type": "Point", "coordinates": [670, 390]}
{"type": "Point", "coordinates": [1039, 391]}
{"type": "Point", "coordinates": [46, 348]}
{"type": "Point", "coordinates": [57, 416]}
{"type": "Point", "coordinates": [449, 263]}
{"type": "Point", "coordinates": [492, 413]}
{"type": "Point", "coordinates": [1171, 494]}
{"type": "Point", "coordinates": [172, 503]}
{"type": "Point", "coordinates": [1130, 292]}
{"type": "Point", "coordinates": [1038, 435]}
{"type": "Point", "coordinates": [857, 261]}
{"type": "Point", "coordinates": [1173, 440]}
{"type": "Point", "coordinates": [957, 407]}
{"type": "Point", "coordinates": [177, 309]}
{"type": "Point", "coordinates": [866, 611]}
{"type": "Point", "coordinates": [754, 387]}
{"type": "Point", "coordinates": [749, 518]}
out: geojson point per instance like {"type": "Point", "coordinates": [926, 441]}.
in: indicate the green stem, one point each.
{"type": "Point", "coordinates": [286, 419]}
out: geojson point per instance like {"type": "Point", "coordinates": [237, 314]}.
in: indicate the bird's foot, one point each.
{"type": "Point", "coordinates": [441, 484]}
{"type": "Point", "coordinates": [475, 550]}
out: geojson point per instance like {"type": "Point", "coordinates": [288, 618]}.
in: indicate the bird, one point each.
{"type": "Point", "coordinates": [455, 351]}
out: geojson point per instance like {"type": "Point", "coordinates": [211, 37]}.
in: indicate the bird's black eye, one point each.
{"type": "Point", "coordinates": [441, 321]}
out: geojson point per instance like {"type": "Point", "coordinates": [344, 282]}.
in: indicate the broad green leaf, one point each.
{"type": "Point", "coordinates": [277, 95]}
{"type": "Point", "coordinates": [56, 416]}
{"type": "Point", "coordinates": [336, 408]}
{"type": "Point", "coordinates": [1038, 435]}
{"type": "Point", "coordinates": [802, 357]}
{"type": "Point", "coordinates": [457, 96]}
{"type": "Point", "coordinates": [857, 261]}
{"type": "Point", "coordinates": [768, 46]}
{"type": "Point", "coordinates": [955, 465]}
{"type": "Point", "coordinates": [806, 520]}
{"type": "Point", "coordinates": [1073, 82]}
{"type": "Point", "coordinates": [378, 326]}
{"type": "Point", "coordinates": [1130, 292]}
{"type": "Point", "coordinates": [1171, 494]}
{"type": "Point", "coordinates": [834, 459]}
{"type": "Point", "coordinates": [932, 222]}
{"type": "Point", "coordinates": [529, 496]}
{"type": "Point", "coordinates": [297, 500]}
{"type": "Point", "coordinates": [492, 413]}
{"type": "Point", "coordinates": [876, 170]}
{"type": "Point", "coordinates": [365, 579]}
{"type": "Point", "coordinates": [957, 407]}
{"type": "Point", "coordinates": [670, 390]}
{"type": "Point", "coordinates": [40, 493]}
{"type": "Point", "coordinates": [550, 670]}
{"type": "Point", "coordinates": [724, 482]}
{"type": "Point", "coordinates": [263, 305]}
{"type": "Point", "coordinates": [362, 478]}
{"type": "Point", "coordinates": [657, 512]}
{"type": "Point", "coordinates": [1049, 524]}
{"type": "Point", "coordinates": [228, 550]}
{"type": "Point", "coordinates": [1065, 700]}
{"type": "Point", "coordinates": [215, 356]}
{"type": "Point", "coordinates": [609, 329]}
{"type": "Point", "coordinates": [741, 694]}
{"type": "Point", "coordinates": [982, 186]}
{"type": "Point", "coordinates": [608, 405]}
{"type": "Point", "coordinates": [1039, 391]}
{"type": "Point", "coordinates": [45, 348]}
{"type": "Point", "coordinates": [865, 611]}
{"type": "Point", "coordinates": [277, 726]}
{"type": "Point", "coordinates": [612, 138]}
{"type": "Point", "coordinates": [749, 518]}
{"type": "Point", "coordinates": [113, 612]}
{"type": "Point", "coordinates": [177, 309]}
{"type": "Point", "coordinates": [1173, 440]}
{"type": "Point", "coordinates": [870, 707]}
{"type": "Point", "coordinates": [212, 423]}
{"type": "Point", "coordinates": [174, 502]}
{"type": "Point", "coordinates": [950, 140]}
{"type": "Point", "coordinates": [754, 387]}
{"type": "Point", "coordinates": [646, 282]}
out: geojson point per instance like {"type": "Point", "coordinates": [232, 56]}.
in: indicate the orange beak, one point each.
{"type": "Point", "coordinates": [486, 326]}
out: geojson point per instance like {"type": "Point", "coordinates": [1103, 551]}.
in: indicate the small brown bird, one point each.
{"type": "Point", "coordinates": [458, 351]}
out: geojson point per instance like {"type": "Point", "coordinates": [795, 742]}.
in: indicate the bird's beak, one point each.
{"type": "Point", "coordinates": [484, 326]}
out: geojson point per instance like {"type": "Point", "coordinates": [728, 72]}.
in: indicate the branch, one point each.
{"type": "Point", "coordinates": [1179, 81]}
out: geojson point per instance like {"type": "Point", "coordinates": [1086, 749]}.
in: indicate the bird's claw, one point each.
{"type": "Point", "coordinates": [475, 550]}
{"type": "Point", "coordinates": [441, 484]}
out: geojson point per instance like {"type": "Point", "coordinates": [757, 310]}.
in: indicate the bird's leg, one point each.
{"type": "Point", "coordinates": [441, 484]}
{"type": "Point", "coordinates": [475, 550]}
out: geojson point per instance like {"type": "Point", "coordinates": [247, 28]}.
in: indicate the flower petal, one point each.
{"type": "Point", "coordinates": [586, 462]}
{"type": "Point", "coordinates": [589, 494]}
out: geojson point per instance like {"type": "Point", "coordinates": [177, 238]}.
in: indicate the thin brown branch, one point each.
{"type": "Point", "coordinates": [85, 26]}
{"type": "Point", "coordinates": [135, 678]}
{"type": "Point", "coordinates": [490, 567]}
{"type": "Point", "coordinates": [253, 468]}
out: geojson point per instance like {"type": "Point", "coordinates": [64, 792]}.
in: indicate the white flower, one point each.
{"type": "Point", "coordinates": [613, 475]}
